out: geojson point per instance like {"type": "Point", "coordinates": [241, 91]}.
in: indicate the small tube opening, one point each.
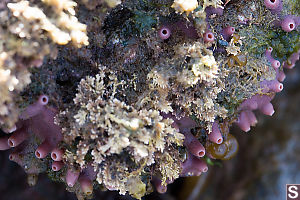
{"type": "Point", "coordinates": [10, 143]}
{"type": "Point", "coordinates": [37, 154]}
{"type": "Point", "coordinates": [219, 141]}
{"type": "Point", "coordinates": [54, 156]}
{"type": "Point", "coordinates": [201, 153]}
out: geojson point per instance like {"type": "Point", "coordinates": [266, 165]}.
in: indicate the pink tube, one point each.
{"type": "Point", "coordinates": [86, 185]}
{"type": "Point", "coordinates": [158, 186]}
{"type": "Point", "coordinates": [227, 32]}
{"type": "Point", "coordinates": [71, 177]}
{"type": "Point", "coordinates": [259, 100]}
{"type": "Point", "coordinates": [164, 32]}
{"type": "Point", "coordinates": [290, 63]}
{"type": "Point", "coordinates": [16, 158]}
{"type": "Point", "coordinates": [57, 165]}
{"type": "Point", "coordinates": [276, 86]}
{"type": "Point", "coordinates": [4, 143]}
{"type": "Point", "coordinates": [43, 100]}
{"type": "Point", "coordinates": [273, 85]}
{"type": "Point", "coordinates": [19, 136]}
{"type": "Point", "coordinates": [185, 123]}
{"type": "Point", "coordinates": [36, 108]}
{"type": "Point", "coordinates": [273, 4]}
{"type": "Point", "coordinates": [275, 63]}
{"type": "Point", "coordinates": [268, 52]}
{"type": "Point", "coordinates": [267, 109]}
{"type": "Point", "coordinates": [280, 76]}
{"type": "Point", "coordinates": [57, 154]}
{"type": "Point", "coordinates": [288, 24]}
{"type": "Point", "coordinates": [43, 150]}
{"type": "Point", "coordinates": [193, 166]}
{"type": "Point", "coordinates": [208, 37]}
{"type": "Point", "coordinates": [247, 117]}
{"type": "Point", "coordinates": [31, 111]}
{"type": "Point", "coordinates": [250, 104]}
{"type": "Point", "coordinates": [215, 136]}
{"type": "Point", "coordinates": [193, 145]}
{"type": "Point", "coordinates": [12, 156]}
{"type": "Point", "coordinates": [243, 122]}
{"type": "Point", "coordinates": [251, 117]}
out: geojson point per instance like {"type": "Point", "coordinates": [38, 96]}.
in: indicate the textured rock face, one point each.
{"type": "Point", "coordinates": [146, 90]}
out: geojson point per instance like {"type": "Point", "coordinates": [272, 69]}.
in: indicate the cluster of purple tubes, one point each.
{"type": "Point", "coordinates": [247, 118]}
{"type": "Point", "coordinates": [38, 119]}
{"type": "Point", "coordinates": [263, 103]}
{"type": "Point", "coordinates": [291, 61]}
{"type": "Point", "coordinates": [288, 23]}
{"type": "Point", "coordinates": [194, 165]}
{"type": "Point", "coordinates": [165, 31]}
{"type": "Point", "coordinates": [226, 32]}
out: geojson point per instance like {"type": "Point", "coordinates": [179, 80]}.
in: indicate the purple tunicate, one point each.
{"type": "Point", "coordinates": [274, 5]}
{"type": "Point", "coordinates": [193, 166]}
{"type": "Point", "coordinates": [164, 32]}
{"type": "Point", "coordinates": [208, 36]}
{"type": "Point", "coordinates": [193, 145]}
{"type": "Point", "coordinates": [275, 63]}
{"type": "Point", "coordinates": [227, 32]}
{"type": "Point", "coordinates": [215, 135]}
{"type": "Point", "coordinates": [288, 24]}
{"type": "Point", "coordinates": [290, 63]}
{"type": "Point", "coordinates": [271, 85]}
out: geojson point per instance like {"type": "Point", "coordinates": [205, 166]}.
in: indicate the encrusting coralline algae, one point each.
{"type": "Point", "coordinates": [130, 95]}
